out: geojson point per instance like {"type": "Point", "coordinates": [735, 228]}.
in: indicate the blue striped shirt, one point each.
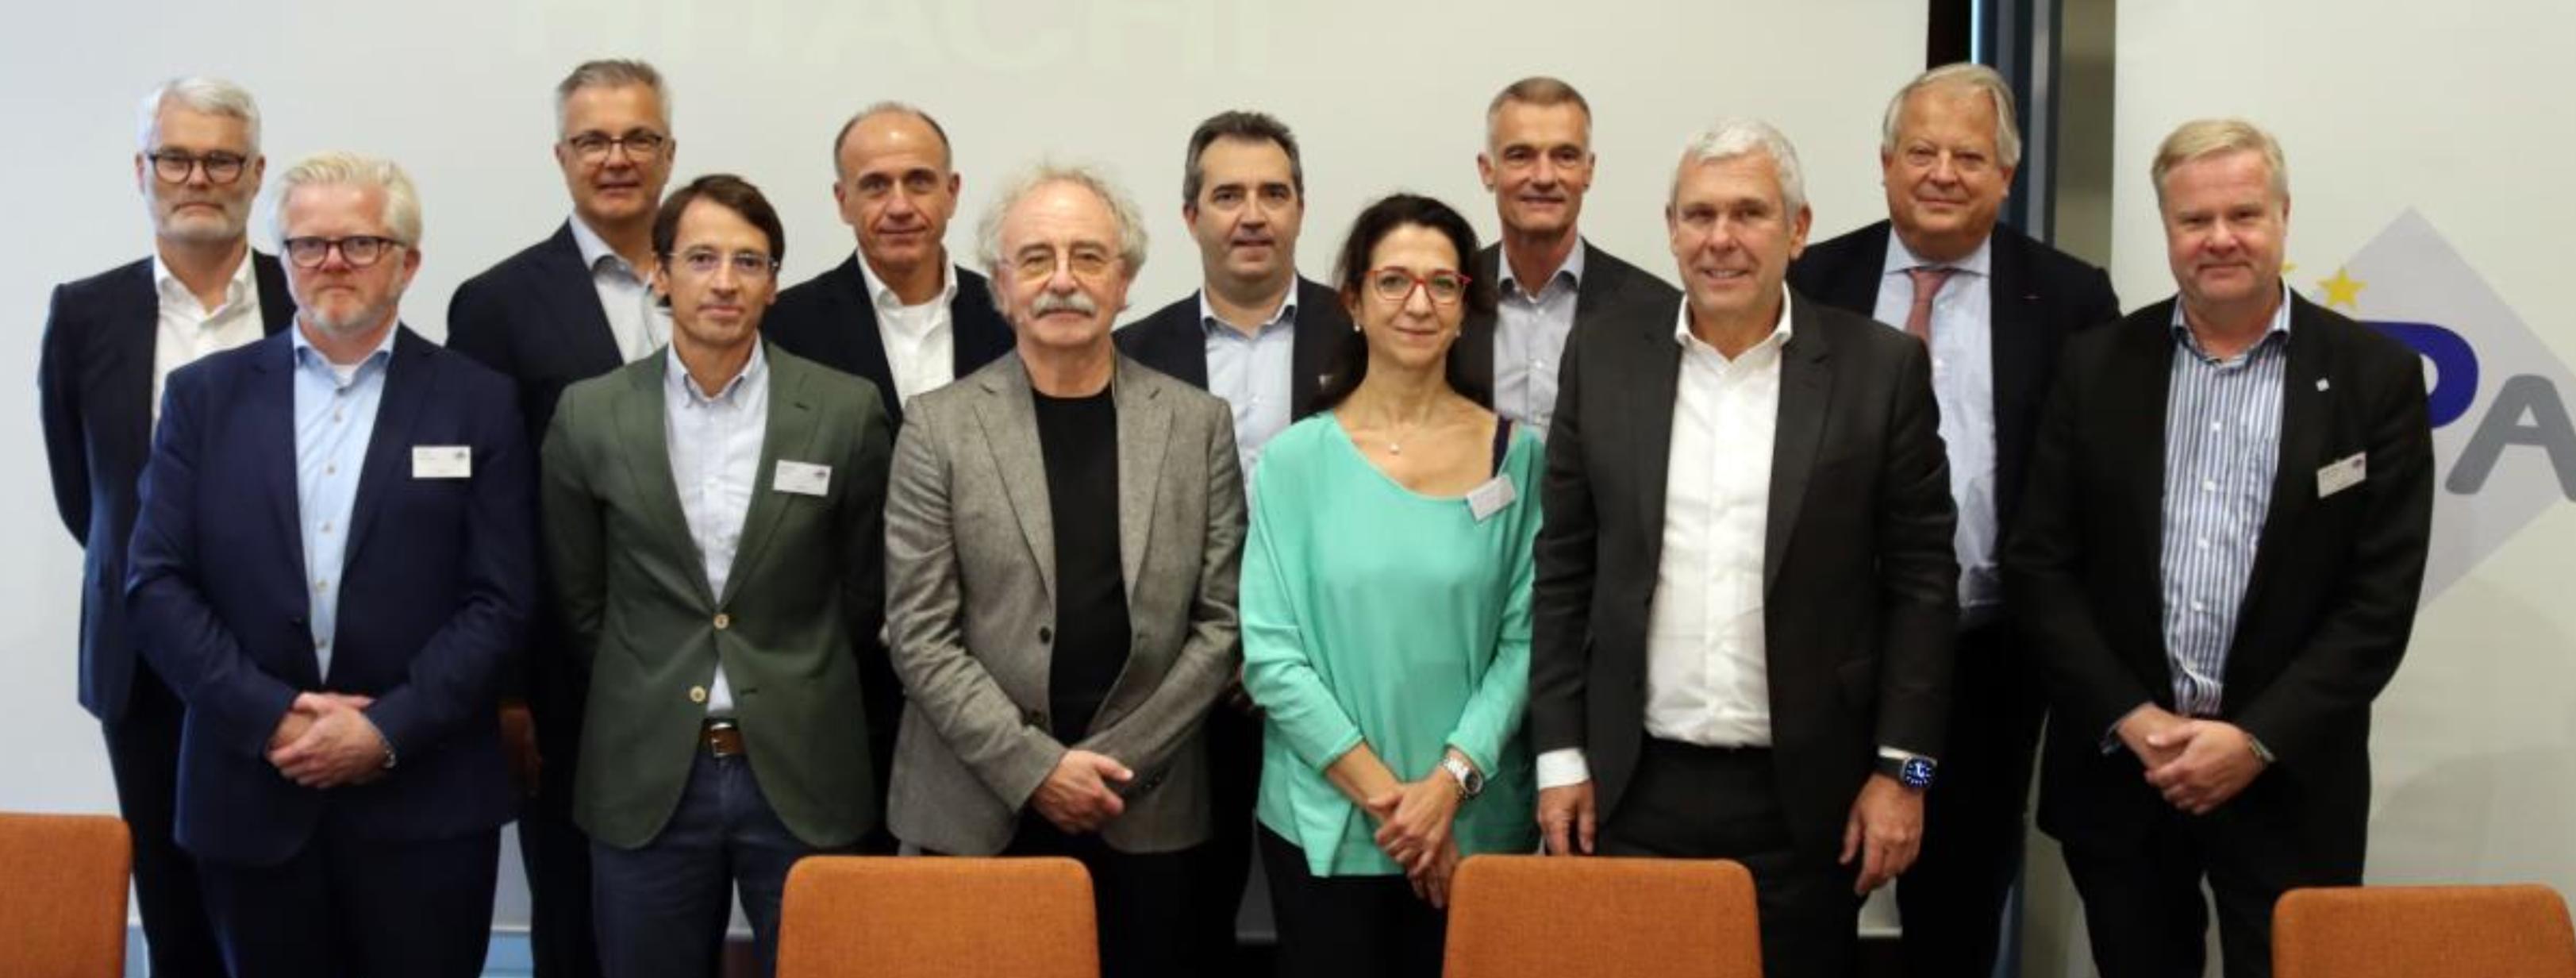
{"type": "Point", "coordinates": [2222, 448]}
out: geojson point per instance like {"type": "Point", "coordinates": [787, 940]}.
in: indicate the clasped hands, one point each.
{"type": "Point", "coordinates": [2198, 765]}
{"type": "Point", "coordinates": [326, 741]}
{"type": "Point", "coordinates": [1414, 820]}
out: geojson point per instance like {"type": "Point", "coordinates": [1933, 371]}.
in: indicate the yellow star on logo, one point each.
{"type": "Point", "coordinates": [2342, 290]}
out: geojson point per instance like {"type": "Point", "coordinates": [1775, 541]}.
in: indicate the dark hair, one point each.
{"type": "Point", "coordinates": [1349, 363]}
{"type": "Point", "coordinates": [1239, 125]}
{"type": "Point", "coordinates": [731, 192]}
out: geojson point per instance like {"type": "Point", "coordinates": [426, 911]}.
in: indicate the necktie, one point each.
{"type": "Point", "coordinates": [1927, 286]}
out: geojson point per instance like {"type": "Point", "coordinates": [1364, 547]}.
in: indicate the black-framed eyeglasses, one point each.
{"type": "Point", "coordinates": [593, 147]}
{"type": "Point", "coordinates": [750, 266]}
{"type": "Point", "coordinates": [1396, 285]}
{"type": "Point", "coordinates": [359, 251]}
{"type": "Point", "coordinates": [175, 166]}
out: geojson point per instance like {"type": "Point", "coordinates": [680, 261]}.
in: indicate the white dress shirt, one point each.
{"type": "Point", "coordinates": [189, 331]}
{"type": "Point", "coordinates": [639, 321]}
{"type": "Point", "coordinates": [1963, 381]}
{"type": "Point", "coordinates": [1707, 681]}
{"type": "Point", "coordinates": [715, 443]}
{"type": "Point", "coordinates": [920, 341]}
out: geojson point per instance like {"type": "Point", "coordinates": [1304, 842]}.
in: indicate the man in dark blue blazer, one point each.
{"type": "Point", "coordinates": [567, 309]}
{"type": "Point", "coordinates": [334, 557]}
{"type": "Point", "coordinates": [110, 341]}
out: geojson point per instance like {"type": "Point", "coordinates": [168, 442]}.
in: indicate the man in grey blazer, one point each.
{"type": "Point", "coordinates": [1093, 511]}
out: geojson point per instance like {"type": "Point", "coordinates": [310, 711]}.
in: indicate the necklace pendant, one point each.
{"type": "Point", "coordinates": [1394, 449]}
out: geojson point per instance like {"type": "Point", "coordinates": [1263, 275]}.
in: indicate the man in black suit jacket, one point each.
{"type": "Point", "coordinates": [1549, 282]}
{"type": "Point", "coordinates": [898, 313]}
{"type": "Point", "coordinates": [1736, 660]}
{"type": "Point", "coordinates": [570, 308]}
{"type": "Point", "coordinates": [111, 340]}
{"type": "Point", "coordinates": [1994, 309]}
{"type": "Point", "coordinates": [2218, 560]}
{"type": "Point", "coordinates": [1262, 337]}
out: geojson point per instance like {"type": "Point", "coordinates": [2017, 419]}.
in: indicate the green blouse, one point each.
{"type": "Point", "coordinates": [1372, 612]}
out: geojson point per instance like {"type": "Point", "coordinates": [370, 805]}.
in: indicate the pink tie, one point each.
{"type": "Point", "coordinates": [1927, 286]}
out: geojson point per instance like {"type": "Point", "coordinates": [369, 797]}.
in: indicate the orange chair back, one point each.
{"type": "Point", "coordinates": [62, 909]}
{"type": "Point", "coordinates": [937, 917]}
{"type": "Point", "coordinates": [2388, 931]}
{"type": "Point", "coordinates": [1576, 918]}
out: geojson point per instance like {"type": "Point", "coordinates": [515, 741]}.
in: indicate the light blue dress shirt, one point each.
{"type": "Point", "coordinates": [1255, 374]}
{"type": "Point", "coordinates": [1529, 340]}
{"type": "Point", "coordinates": [1963, 382]}
{"type": "Point", "coordinates": [335, 420]}
{"type": "Point", "coordinates": [715, 443]}
{"type": "Point", "coordinates": [2222, 450]}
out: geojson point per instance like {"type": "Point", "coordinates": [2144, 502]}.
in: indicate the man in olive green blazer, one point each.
{"type": "Point", "coordinates": [714, 527]}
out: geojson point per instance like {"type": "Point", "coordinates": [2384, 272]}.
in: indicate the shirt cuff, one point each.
{"type": "Point", "coordinates": [1901, 756]}
{"type": "Point", "coordinates": [2111, 735]}
{"type": "Point", "coordinates": [1561, 767]}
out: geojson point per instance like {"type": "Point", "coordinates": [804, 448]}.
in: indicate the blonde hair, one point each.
{"type": "Point", "coordinates": [2203, 138]}
{"type": "Point", "coordinates": [345, 169]}
{"type": "Point", "coordinates": [1973, 77]}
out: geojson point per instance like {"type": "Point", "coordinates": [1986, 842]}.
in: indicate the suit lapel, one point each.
{"type": "Point", "coordinates": [128, 334]}
{"type": "Point", "coordinates": [276, 299]}
{"type": "Point", "coordinates": [789, 432]}
{"type": "Point", "coordinates": [2142, 378]}
{"type": "Point", "coordinates": [2307, 412]}
{"type": "Point", "coordinates": [1320, 323]}
{"type": "Point", "coordinates": [1474, 349]}
{"type": "Point", "coordinates": [1854, 286]}
{"type": "Point", "coordinates": [272, 420]}
{"type": "Point", "coordinates": [1657, 376]}
{"type": "Point", "coordinates": [1143, 422]}
{"type": "Point", "coordinates": [858, 329]}
{"type": "Point", "coordinates": [1008, 414]}
{"type": "Point", "coordinates": [575, 302]}
{"type": "Point", "coordinates": [1806, 393]}
{"type": "Point", "coordinates": [643, 442]}
{"type": "Point", "coordinates": [407, 384]}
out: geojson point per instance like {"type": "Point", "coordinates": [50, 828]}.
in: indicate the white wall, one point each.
{"type": "Point", "coordinates": [1383, 96]}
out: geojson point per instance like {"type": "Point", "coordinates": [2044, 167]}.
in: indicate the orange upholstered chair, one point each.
{"type": "Point", "coordinates": [62, 911]}
{"type": "Point", "coordinates": [937, 917]}
{"type": "Point", "coordinates": [1572, 918]}
{"type": "Point", "coordinates": [2391, 931]}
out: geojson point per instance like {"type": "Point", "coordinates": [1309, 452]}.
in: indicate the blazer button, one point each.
{"type": "Point", "coordinates": [723, 621]}
{"type": "Point", "coordinates": [697, 694]}
{"type": "Point", "coordinates": [1045, 634]}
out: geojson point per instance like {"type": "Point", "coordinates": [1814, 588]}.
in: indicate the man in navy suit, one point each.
{"type": "Point", "coordinates": [110, 342]}
{"type": "Point", "coordinates": [1993, 306]}
{"type": "Point", "coordinates": [334, 557]}
{"type": "Point", "coordinates": [570, 308]}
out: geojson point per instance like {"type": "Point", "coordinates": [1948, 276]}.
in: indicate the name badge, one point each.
{"type": "Point", "coordinates": [1491, 498]}
{"type": "Point", "coordinates": [442, 462]}
{"type": "Point", "coordinates": [802, 478]}
{"type": "Point", "coordinates": [2341, 475]}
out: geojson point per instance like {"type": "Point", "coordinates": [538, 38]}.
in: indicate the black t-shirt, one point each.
{"type": "Point", "coordinates": [1079, 437]}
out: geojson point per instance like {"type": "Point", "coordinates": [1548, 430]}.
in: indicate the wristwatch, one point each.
{"type": "Point", "coordinates": [1914, 772]}
{"type": "Point", "coordinates": [1470, 783]}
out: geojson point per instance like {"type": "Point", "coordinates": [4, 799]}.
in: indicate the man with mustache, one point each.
{"type": "Point", "coordinates": [1549, 283]}
{"type": "Point", "coordinates": [110, 343]}
{"type": "Point", "coordinates": [2218, 564]}
{"type": "Point", "coordinates": [333, 561]}
{"type": "Point", "coordinates": [568, 308]}
{"type": "Point", "coordinates": [1993, 306]}
{"type": "Point", "coordinates": [1062, 533]}
{"type": "Point", "coordinates": [1260, 336]}
{"type": "Point", "coordinates": [897, 312]}
{"type": "Point", "coordinates": [713, 527]}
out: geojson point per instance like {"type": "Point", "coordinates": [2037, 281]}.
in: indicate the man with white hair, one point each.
{"type": "Point", "coordinates": [1993, 306]}
{"type": "Point", "coordinates": [1062, 533]}
{"type": "Point", "coordinates": [1728, 669]}
{"type": "Point", "coordinates": [110, 343]}
{"type": "Point", "coordinates": [334, 557]}
{"type": "Point", "coordinates": [2218, 564]}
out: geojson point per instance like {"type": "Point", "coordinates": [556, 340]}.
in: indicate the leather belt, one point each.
{"type": "Point", "coordinates": [722, 738]}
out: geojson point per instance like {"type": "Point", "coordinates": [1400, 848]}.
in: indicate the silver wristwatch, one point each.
{"type": "Point", "coordinates": [1470, 783]}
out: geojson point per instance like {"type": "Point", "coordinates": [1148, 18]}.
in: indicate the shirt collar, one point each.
{"type": "Point", "coordinates": [169, 287]}
{"type": "Point", "coordinates": [678, 379]}
{"type": "Point", "coordinates": [309, 357]}
{"type": "Point", "coordinates": [1571, 271]}
{"type": "Point", "coordinates": [2280, 327]}
{"type": "Point", "coordinates": [1779, 337]}
{"type": "Point", "coordinates": [1287, 312]}
{"type": "Point", "coordinates": [594, 249]}
{"type": "Point", "coordinates": [883, 294]}
{"type": "Point", "coordinates": [1900, 258]}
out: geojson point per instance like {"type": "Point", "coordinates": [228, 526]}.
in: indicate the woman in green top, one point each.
{"type": "Point", "coordinates": [1386, 617]}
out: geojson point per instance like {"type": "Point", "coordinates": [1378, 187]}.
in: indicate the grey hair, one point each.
{"type": "Point", "coordinates": [2209, 137]}
{"type": "Point", "coordinates": [1732, 138]}
{"type": "Point", "coordinates": [947, 153]}
{"type": "Point", "coordinates": [1538, 90]}
{"type": "Point", "coordinates": [345, 169]}
{"type": "Point", "coordinates": [212, 96]}
{"type": "Point", "coordinates": [1131, 227]}
{"type": "Point", "coordinates": [612, 73]}
{"type": "Point", "coordinates": [1974, 77]}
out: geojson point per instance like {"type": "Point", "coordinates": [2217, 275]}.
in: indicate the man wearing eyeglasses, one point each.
{"type": "Point", "coordinates": [110, 343]}
{"type": "Point", "coordinates": [571, 307]}
{"type": "Point", "coordinates": [333, 560]}
{"type": "Point", "coordinates": [714, 520]}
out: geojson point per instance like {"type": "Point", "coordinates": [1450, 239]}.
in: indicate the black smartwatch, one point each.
{"type": "Point", "coordinates": [1915, 773]}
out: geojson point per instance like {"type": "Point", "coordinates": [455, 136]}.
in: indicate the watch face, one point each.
{"type": "Point", "coordinates": [1917, 773]}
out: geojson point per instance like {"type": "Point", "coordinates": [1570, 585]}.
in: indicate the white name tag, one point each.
{"type": "Point", "coordinates": [802, 478]}
{"type": "Point", "coordinates": [1491, 498]}
{"type": "Point", "coordinates": [2339, 476]}
{"type": "Point", "coordinates": [442, 462]}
